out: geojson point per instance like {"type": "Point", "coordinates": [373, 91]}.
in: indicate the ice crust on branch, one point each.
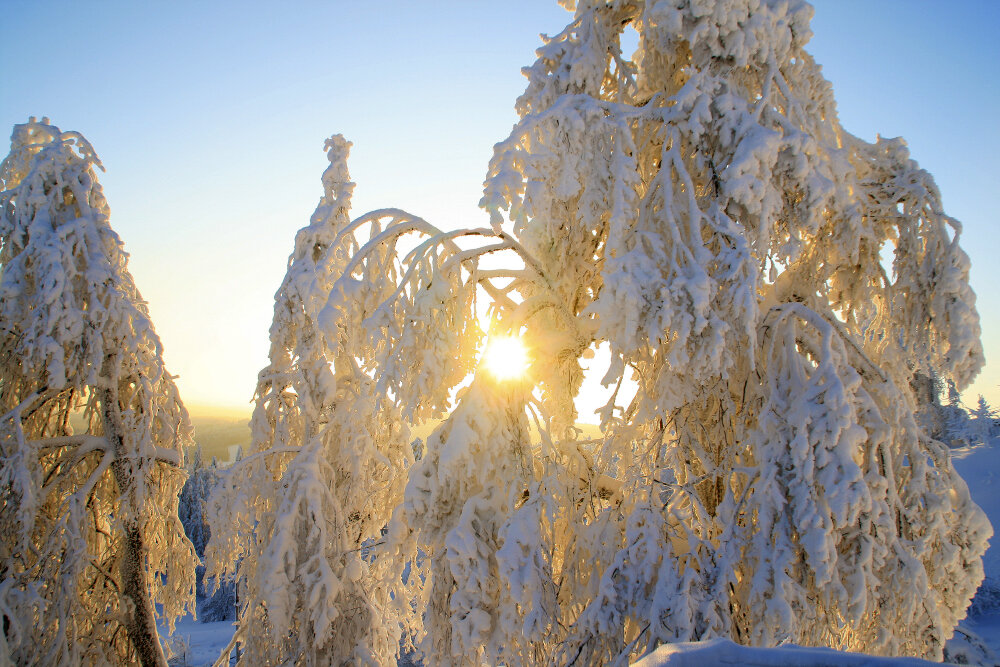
{"type": "Point", "coordinates": [696, 208]}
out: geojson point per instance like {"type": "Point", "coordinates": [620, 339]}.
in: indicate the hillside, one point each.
{"type": "Point", "coordinates": [220, 433]}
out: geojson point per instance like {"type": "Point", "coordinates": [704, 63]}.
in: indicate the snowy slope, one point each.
{"type": "Point", "coordinates": [979, 466]}
{"type": "Point", "coordinates": [725, 652]}
{"type": "Point", "coordinates": [196, 644]}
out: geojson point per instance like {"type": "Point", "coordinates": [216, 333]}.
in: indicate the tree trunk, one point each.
{"type": "Point", "coordinates": [141, 624]}
{"type": "Point", "coordinates": [140, 616]}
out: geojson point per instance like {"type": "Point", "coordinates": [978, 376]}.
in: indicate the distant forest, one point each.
{"type": "Point", "coordinates": [219, 436]}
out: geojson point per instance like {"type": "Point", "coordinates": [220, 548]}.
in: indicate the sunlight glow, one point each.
{"type": "Point", "coordinates": [506, 357]}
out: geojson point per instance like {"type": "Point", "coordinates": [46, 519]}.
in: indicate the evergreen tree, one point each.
{"type": "Point", "coordinates": [192, 505]}
{"type": "Point", "coordinates": [985, 417]}
{"type": "Point", "coordinates": [216, 598]}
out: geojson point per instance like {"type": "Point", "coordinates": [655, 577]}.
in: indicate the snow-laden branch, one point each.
{"type": "Point", "coordinates": [89, 443]}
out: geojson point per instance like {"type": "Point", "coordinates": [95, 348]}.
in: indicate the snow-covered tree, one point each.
{"type": "Point", "coordinates": [984, 419]}
{"type": "Point", "coordinates": [323, 472]}
{"type": "Point", "coordinates": [192, 509]}
{"type": "Point", "coordinates": [93, 429]}
{"type": "Point", "coordinates": [738, 231]}
{"type": "Point", "coordinates": [193, 500]}
{"type": "Point", "coordinates": [696, 209]}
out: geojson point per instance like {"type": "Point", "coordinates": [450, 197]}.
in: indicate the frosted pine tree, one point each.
{"type": "Point", "coordinates": [193, 498]}
{"type": "Point", "coordinates": [93, 430]}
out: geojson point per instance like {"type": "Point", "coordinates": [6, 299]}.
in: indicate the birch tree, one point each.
{"type": "Point", "coordinates": [93, 429]}
{"type": "Point", "coordinates": [696, 209]}
{"type": "Point", "coordinates": [323, 472]}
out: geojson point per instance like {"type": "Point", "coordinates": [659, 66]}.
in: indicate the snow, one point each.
{"type": "Point", "coordinates": [725, 652]}
{"type": "Point", "coordinates": [979, 466]}
{"type": "Point", "coordinates": [196, 644]}
{"type": "Point", "coordinates": [987, 627]}
{"type": "Point", "coordinates": [639, 203]}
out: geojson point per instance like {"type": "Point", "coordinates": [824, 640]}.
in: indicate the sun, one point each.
{"type": "Point", "coordinates": [506, 357]}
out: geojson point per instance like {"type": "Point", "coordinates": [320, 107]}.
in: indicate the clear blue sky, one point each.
{"type": "Point", "coordinates": [210, 119]}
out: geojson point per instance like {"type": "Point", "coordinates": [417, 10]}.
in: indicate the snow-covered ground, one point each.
{"type": "Point", "coordinates": [980, 468]}
{"type": "Point", "coordinates": [197, 644]}
{"type": "Point", "coordinates": [725, 652]}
